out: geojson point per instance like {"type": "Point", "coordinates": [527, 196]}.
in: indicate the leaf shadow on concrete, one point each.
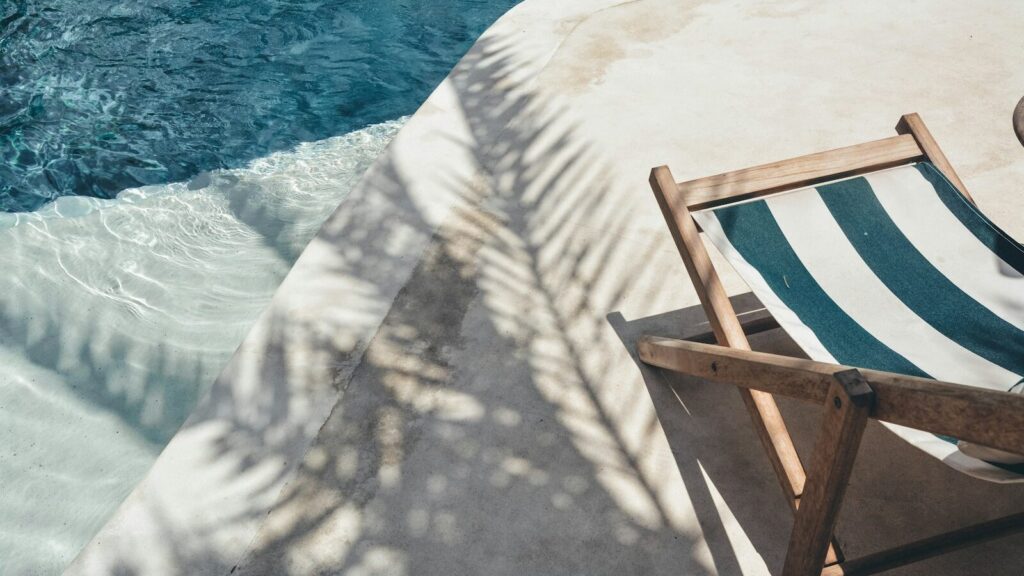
{"type": "Point", "coordinates": [493, 422]}
{"type": "Point", "coordinates": [479, 430]}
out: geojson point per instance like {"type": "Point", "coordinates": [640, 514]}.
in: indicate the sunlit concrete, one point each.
{"type": "Point", "coordinates": [444, 383]}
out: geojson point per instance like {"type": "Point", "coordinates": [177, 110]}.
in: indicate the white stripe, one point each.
{"type": "Point", "coordinates": [787, 319]}
{"type": "Point", "coordinates": [809, 342]}
{"type": "Point", "coordinates": [951, 248]}
{"type": "Point", "coordinates": [951, 456]}
{"type": "Point", "coordinates": [838, 269]}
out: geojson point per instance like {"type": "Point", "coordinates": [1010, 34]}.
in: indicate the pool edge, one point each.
{"type": "Point", "coordinates": [201, 505]}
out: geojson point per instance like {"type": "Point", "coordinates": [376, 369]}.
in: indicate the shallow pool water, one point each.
{"type": "Point", "coordinates": [163, 164]}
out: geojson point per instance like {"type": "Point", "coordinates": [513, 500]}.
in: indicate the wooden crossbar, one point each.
{"type": "Point", "coordinates": [929, 547]}
{"type": "Point", "coordinates": [752, 322]}
{"type": "Point", "coordinates": [987, 417]}
{"type": "Point", "coordinates": [913, 143]}
{"type": "Point", "coordinates": [799, 172]}
{"type": "Point", "coordinates": [728, 331]}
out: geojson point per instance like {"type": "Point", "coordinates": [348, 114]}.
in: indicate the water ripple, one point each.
{"type": "Point", "coordinates": [97, 96]}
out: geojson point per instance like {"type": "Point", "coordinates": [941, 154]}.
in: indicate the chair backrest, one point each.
{"type": "Point", "coordinates": [914, 143]}
{"type": "Point", "coordinates": [839, 229]}
{"type": "Point", "coordinates": [714, 191]}
{"type": "Point", "coordinates": [893, 270]}
{"type": "Point", "coordinates": [676, 199]}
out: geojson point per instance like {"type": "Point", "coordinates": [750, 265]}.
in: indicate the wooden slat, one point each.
{"type": "Point", "coordinates": [799, 172]}
{"type": "Point", "coordinates": [928, 547]}
{"type": "Point", "coordinates": [911, 124]}
{"type": "Point", "coordinates": [752, 322]}
{"type": "Point", "coordinates": [727, 329]}
{"type": "Point", "coordinates": [713, 298]}
{"type": "Point", "coordinates": [764, 412]}
{"type": "Point", "coordinates": [986, 417]}
{"type": "Point", "coordinates": [847, 405]}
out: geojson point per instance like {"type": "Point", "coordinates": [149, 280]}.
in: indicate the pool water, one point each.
{"type": "Point", "coordinates": [104, 95]}
{"type": "Point", "coordinates": [163, 164]}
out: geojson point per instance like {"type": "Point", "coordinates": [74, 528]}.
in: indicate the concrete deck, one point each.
{"type": "Point", "coordinates": [444, 383]}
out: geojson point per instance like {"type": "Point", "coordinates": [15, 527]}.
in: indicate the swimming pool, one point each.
{"type": "Point", "coordinates": [163, 166]}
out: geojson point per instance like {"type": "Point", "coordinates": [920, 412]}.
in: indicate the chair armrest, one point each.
{"type": "Point", "coordinates": [987, 417]}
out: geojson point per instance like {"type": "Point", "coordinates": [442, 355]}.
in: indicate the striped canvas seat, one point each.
{"type": "Point", "coordinates": [892, 271]}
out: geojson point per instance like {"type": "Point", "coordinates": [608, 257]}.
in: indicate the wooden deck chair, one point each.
{"type": "Point", "coordinates": [907, 300]}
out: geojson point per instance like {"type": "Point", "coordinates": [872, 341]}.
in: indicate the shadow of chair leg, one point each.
{"type": "Point", "coordinates": [706, 429]}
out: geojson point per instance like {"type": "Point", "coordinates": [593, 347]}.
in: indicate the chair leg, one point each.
{"type": "Point", "coordinates": [847, 407]}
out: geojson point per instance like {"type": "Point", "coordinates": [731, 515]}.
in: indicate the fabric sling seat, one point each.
{"type": "Point", "coordinates": [906, 299]}
{"type": "Point", "coordinates": [893, 271]}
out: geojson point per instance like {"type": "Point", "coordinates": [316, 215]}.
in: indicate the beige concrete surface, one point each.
{"type": "Point", "coordinates": [445, 382]}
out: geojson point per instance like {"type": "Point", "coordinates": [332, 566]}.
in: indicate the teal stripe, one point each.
{"type": "Point", "coordinates": [918, 284]}
{"type": "Point", "coordinates": [1000, 243]}
{"type": "Point", "coordinates": [755, 234]}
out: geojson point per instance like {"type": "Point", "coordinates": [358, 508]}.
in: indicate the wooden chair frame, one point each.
{"type": "Point", "coordinates": [849, 396]}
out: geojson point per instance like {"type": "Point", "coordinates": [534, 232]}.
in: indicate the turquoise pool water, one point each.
{"type": "Point", "coordinates": [104, 95]}
{"type": "Point", "coordinates": [163, 164]}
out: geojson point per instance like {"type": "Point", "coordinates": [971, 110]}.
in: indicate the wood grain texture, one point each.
{"type": "Point", "coordinates": [799, 172]}
{"type": "Point", "coordinates": [728, 331]}
{"type": "Point", "coordinates": [913, 125]}
{"type": "Point", "coordinates": [928, 547]}
{"type": "Point", "coordinates": [698, 264]}
{"type": "Point", "coordinates": [846, 408]}
{"type": "Point", "coordinates": [986, 417]}
{"type": "Point", "coordinates": [752, 322]}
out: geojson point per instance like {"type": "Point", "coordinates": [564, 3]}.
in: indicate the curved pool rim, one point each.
{"type": "Point", "coordinates": [186, 499]}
